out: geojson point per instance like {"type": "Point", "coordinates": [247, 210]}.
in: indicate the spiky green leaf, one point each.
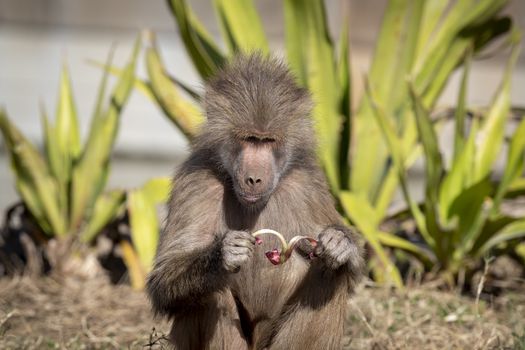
{"type": "Point", "coordinates": [241, 26]}
{"type": "Point", "coordinates": [204, 53]}
{"type": "Point", "coordinates": [393, 60]}
{"type": "Point", "coordinates": [90, 173]}
{"type": "Point", "coordinates": [493, 129]}
{"type": "Point", "coordinates": [34, 180]}
{"type": "Point", "coordinates": [311, 57]}
{"type": "Point", "coordinates": [181, 112]}
{"type": "Point", "coordinates": [363, 216]}
{"type": "Point", "coordinates": [144, 226]}
{"type": "Point", "coordinates": [514, 166]}
{"type": "Point", "coordinates": [106, 208]}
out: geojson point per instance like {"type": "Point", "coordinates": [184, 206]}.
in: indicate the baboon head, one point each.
{"type": "Point", "coordinates": [258, 125]}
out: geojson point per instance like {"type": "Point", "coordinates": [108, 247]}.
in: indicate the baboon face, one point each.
{"type": "Point", "coordinates": [256, 169]}
{"type": "Point", "coordinates": [258, 126]}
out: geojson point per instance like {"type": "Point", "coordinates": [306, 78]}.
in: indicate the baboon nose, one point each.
{"type": "Point", "coordinates": [253, 181]}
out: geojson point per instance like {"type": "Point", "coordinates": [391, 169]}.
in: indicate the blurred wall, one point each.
{"type": "Point", "coordinates": [37, 36]}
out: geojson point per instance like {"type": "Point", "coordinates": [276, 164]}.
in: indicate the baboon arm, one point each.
{"type": "Point", "coordinates": [187, 267]}
{"type": "Point", "coordinates": [324, 214]}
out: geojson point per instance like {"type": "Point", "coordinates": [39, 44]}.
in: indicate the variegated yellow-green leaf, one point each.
{"type": "Point", "coordinates": [137, 275]}
{"type": "Point", "coordinates": [100, 102]}
{"type": "Point", "coordinates": [461, 110]}
{"type": "Point", "coordinates": [34, 181]}
{"type": "Point", "coordinates": [393, 59]}
{"type": "Point", "coordinates": [428, 138]}
{"type": "Point", "coordinates": [390, 183]}
{"type": "Point", "coordinates": [138, 84]}
{"type": "Point", "coordinates": [432, 80]}
{"type": "Point", "coordinates": [388, 55]}
{"type": "Point", "coordinates": [157, 189]}
{"type": "Point", "coordinates": [471, 209]}
{"type": "Point", "coordinates": [311, 57]}
{"type": "Point", "coordinates": [68, 137]}
{"type": "Point", "coordinates": [144, 226]}
{"type": "Point", "coordinates": [444, 35]}
{"type": "Point", "coordinates": [106, 208]}
{"type": "Point", "coordinates": [142, 86]}
{"type": "Point", "coordinates": [462, 14]}
{"type": "Point", "coordinates": [143, 218]}
{"type": "Point", "coordinates": [452, 50]}
{"type": "Point", "coordinates": [345, 104]}
{"type": "Point", "coordinates": [204, 53]}
{"type": "Point", "coordinates": [458, 178]}
{"type": "Point", "coordinates": [183, 113]}
{"type": "Point", "coordinates": [382, 195]}
{"type": "Point", "coordinates": [433, 172]}
{"type": "Point", "coordinates": [432, 14]}
{"type": "Point", "coordinates": [362, 215]}
{"type": "Point", "coordinates": [514, 230]}
{"type": "Point", "coordinates": [493, 129]}
{"type": "Point", "coordinates": [397, 152]}
{"type": "Point", "coordinates": [31, 200]}
{"type": "Point", "coordinates": [441, 74]}
{"type": "Point", "coordinates": [514, 166]}
{"type": "Point", "coordinates": [90, 173]}
{"type": "Point", "coordinates": [51, 148]}
{"type": "Point", "coordinates": [393, 241]}
{"type": "Point", "coordinates": [406, 57]}
{"type": "Point", "coordinates": [295, 41]}
{"type": "Point", "coordinates": [241, 26]}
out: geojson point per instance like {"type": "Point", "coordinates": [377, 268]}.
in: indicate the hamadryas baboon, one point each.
{"type": "Point", "coordinates": [253, 166]}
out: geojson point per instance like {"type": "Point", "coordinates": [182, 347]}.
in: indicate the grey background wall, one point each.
{"type": "Point", "coordinates": [37, 36]}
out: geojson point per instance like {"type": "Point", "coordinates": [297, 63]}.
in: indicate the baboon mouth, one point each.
{"type": "Point", "coordinates": [250, 198]}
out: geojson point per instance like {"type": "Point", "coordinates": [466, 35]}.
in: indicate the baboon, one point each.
{"type": "Point", "coordinates": [253, 166]}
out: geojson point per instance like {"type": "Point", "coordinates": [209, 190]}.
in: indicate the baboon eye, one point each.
{"type": "Point", "coordinates": [257, 140]}
{"type": "Point", "coordinates": [267, 140]}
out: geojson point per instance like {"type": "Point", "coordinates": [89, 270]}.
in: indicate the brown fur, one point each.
{"type": "Point", "coordinates": [298, 305]}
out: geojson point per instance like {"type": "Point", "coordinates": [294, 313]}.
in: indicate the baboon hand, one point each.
{"type": "Point", "coordinates": [336, 247]}
{"type": "Point", "coordinates": [237, 248]}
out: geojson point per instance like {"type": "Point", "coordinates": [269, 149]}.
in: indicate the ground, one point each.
{"type": "Point", "coordinates": [45, 313]}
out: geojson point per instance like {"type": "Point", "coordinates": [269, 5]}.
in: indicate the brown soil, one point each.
{"type": "Point", "coordinates": [92, 314]}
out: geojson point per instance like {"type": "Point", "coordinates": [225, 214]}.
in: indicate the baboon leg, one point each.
{"type": "Point", "coordinates": [308, 325]}
{"type": "Point", "coordinates": [214, 326]}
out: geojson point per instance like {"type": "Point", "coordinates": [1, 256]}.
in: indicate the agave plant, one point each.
{"type": "Point", "coordinates": [461, 220]}
{"type": "Point", "coordinates": [141, 203]}
{"type": "Point", "coordinates": [426, 40]}
{"type": "Point", "coordinates": [63, 187]}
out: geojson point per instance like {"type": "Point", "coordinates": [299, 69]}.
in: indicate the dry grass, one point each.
{"type": "Point", "coordinates": [423, 318]}
{"type": "Point", "coordinates": [91, 314]}
{"type": "Point", "coordinates": [75, 314]}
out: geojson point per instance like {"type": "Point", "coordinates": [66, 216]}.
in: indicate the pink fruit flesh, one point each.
{"type": "Point", "coordinates": [274, 256]}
